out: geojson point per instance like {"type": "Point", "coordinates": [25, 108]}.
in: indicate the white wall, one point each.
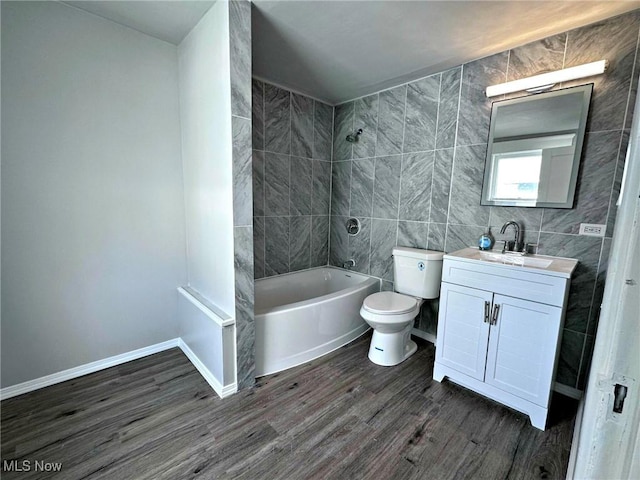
{"type": "Point", "coordinates": [92, 200]}
{"type": "Point", "coordinates": [205, 114]}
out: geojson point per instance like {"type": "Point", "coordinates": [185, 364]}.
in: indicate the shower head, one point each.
{"type": "Point", "coordinates": [353, 137]}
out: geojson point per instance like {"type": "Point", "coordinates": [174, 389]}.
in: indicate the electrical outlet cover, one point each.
{"type": "Point", "coordinates": [592, 229]}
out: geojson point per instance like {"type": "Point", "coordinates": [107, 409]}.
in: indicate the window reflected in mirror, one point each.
{"type": "Point", "coordinates": [534, 150]}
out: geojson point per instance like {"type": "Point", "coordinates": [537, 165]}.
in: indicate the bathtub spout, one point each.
{"type": "Point", "coordinates": [349, 264]}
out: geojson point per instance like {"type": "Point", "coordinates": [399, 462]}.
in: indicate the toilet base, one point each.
{"type": "Point", "coordinates": [389, 349]}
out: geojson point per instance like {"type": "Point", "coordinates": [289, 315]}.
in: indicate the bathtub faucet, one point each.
{"type": "Point", "coordinates": [349, 264]}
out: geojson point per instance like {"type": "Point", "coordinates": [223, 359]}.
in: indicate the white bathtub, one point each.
{"type": "Point", "coordinates": [304, 315]}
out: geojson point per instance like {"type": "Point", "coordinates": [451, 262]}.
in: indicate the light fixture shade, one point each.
{"type": "Point", "coordinates": [572, 73]}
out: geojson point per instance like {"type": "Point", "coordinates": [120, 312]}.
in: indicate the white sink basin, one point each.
{"type": "Point", "coordinates": [511, 259]}
{"type": "Point", "coordinates": [556, 266]}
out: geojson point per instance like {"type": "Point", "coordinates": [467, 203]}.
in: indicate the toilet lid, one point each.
{"type": "Point", "coordinates": [389, 303]}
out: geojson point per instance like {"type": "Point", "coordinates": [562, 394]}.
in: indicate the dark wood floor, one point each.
{"type": "Point", "coordinates": [337, 417]}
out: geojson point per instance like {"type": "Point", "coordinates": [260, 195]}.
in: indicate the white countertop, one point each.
{"type": "Point", "coordinates": [545, 264]}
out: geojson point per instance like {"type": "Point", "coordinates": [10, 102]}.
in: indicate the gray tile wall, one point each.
{"type": "Point", "coordinates": [414, 178]}
{"type": "Point", "coordinates": [240, 58]}
{"type": "Point", "coordinates": [292, 144]}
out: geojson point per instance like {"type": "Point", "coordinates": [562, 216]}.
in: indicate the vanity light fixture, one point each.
{"type": "Point", "coordinates": [548, 79]}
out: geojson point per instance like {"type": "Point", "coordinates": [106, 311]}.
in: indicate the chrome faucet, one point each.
{"type": "Point", "coordinates": [349, 264]}
{"type": "Point", "coordinates": [514, 245]}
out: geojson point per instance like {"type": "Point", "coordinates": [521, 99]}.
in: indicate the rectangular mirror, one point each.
{"type": "Point", "coordinates": [534, 149]}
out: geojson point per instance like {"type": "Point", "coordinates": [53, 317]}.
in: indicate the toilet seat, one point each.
{"type": "Point", "coordinates": [389, 303]}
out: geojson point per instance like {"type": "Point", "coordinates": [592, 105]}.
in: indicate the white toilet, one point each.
{"type": "Point", "coordinates": [417, 274]}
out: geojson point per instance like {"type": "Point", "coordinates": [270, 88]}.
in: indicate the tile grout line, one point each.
{"type": "Point", "coordinates": [624, 122]}
{"type": "Point", "coordinates": [595, 288]}
{"type": "Point", "coordinates": [313, 148]}
{"type": "Point", "coordinates": [333, 126]}
{"type": "Point", "coordinates": [264, 176]}
{"type": "Point", "coordinates": [453, 160]}
{"type": "Point", "coordinates": [404, 127]}
{"type": "Point", "coordinates": [353, 123]}
{"type": "Point", "coordinates": [373, 186]}
{"type": "Point", "coordinates": [290, 151]}
{"type": "Point", "coordinates": [433, 164]}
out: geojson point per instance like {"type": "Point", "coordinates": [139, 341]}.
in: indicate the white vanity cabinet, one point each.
{"type": "Point", "coordinates": [499, 329]}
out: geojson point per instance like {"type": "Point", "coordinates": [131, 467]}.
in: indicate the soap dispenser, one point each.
{"type": "Point", "coordinates": [485, 242]}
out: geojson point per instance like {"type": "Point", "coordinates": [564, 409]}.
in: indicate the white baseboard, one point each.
{"type": "Point", "coordinates": [71, 373]}
{"type": "Point", "coordinates": [222, 391]}
{"type": "Point", "coordinates": [568, 391]}
{"type": "Point", "coordinates": [424, 335]}
{"type": "Point", "coordinates": [38, 383]}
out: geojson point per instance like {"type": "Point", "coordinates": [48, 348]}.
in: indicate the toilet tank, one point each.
{"type": "Point", "coordinates": [417, 272]}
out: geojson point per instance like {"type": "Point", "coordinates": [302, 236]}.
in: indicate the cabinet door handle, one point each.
{"type": "Point", "coordinates": [487, 309]}
{"type": "Point", "coordinates": [494, 319]}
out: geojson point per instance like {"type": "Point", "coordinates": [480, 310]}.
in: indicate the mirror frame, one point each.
{"type": "Point", "coordinates": [586, 91]}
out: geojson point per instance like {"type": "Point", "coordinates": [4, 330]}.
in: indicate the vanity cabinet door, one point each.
{"type": "Point", "coordinates": [463, 329]}
{"type": "Point", "coordinates": [522, 348]}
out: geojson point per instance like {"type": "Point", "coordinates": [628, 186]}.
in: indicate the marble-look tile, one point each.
{"type": "Point", "coordinates": [322, 130]}
{"type": "Point", "coordinates": [319, 240]}
{"type": "Point", "coordinates": [340, 184]}
{"type": "Point", "coordinates": [475, 107]}
{"type": "Point", "coordinates": [601, 277]}
{"type": "Point", "coordinates": [242, 171]}
{"type": "Point", "coordinates": [412, 234]}
{"type": "Point", "coordinates": [343, 126]}
{"type": "Point", "coordinates": [613, 39]}
{"type": "Point", "coordinates": [632, 93]}
{"type": "Point", "coordinates": [528, 236]}
{"type": "Point", "coordinates": [427, 319]}
{"type": "Point", "coordinates": [462, 236]}
{"type": "Point", "coordinates": [276, 184]}
{"type": "Point", "coordinates": [257, 160]}
{"type": "Point", "coordinates": [617, 183]}
{"type": "Point", "coordinates": [585, 365]}
{"type": "Point", "coordinates": [593, 189]}
{"type": "Point", "coordinates": [366, 118]}
{"type": "Point", "coordinates": [360, 245]}
{"type": "Point", "coordinates": [441, 185]}
{"type": "Point", "coordinates": [529, 218]}
{"type": "Point", "coordinates": [466, 187]}
{"type": "Point", "coordinates": [301, 177]}
{"type": "Point", "coordinates": [448, 108]}
{"type": "Point", "coordinates": [321, 195]}
{"type": "Point", "coordinates": [415, 186]}
{"type": "Point", "coordinates": [277, 119]}
{"type": "Point", "coordinates": [362, 174]}
{"type": "Point", "coordinates": [537, 57]}
{"type": "Point", "coordinates": [276, 230]}
{"type": "Point", "coordinates": [587, 251]}
{"type": "Point", "coordinates": [383, 239]}
{"type": "Point", "coordinates": [570, 354]}
{"type": "Point", "coordinates": [421, 117]}
{"type": "Point", "coordinates": [301, 126]}
{"type": "Point", "coordinates": [245, 327]}
{"type": "Point", "coordinates": [258, 247]}
{"type": "Point", "coordinates": [391, 121]}
{"type": "Point", "coordinates": [338, 241]}
{"type": "Point", "coordinates": [240, 57]}
{"type": "Point", "coordinates": [257, 114]}
{"type": "Point", "coordinates": [436, 236]}
{"type": "Point", "coordinates": [386, 190]}
{"type": "Point", "coordinates": [386, 286]}
{"type": "Point", "coordinates": [300, 243]}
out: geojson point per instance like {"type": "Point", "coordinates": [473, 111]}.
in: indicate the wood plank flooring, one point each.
{"type": "Point", "coordinates": [337, 417]}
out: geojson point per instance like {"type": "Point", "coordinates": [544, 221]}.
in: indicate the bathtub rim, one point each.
{"type": "Point", "coordinates": [368, 280]}
{"type": "Point", "coordinates": [311, 355]}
